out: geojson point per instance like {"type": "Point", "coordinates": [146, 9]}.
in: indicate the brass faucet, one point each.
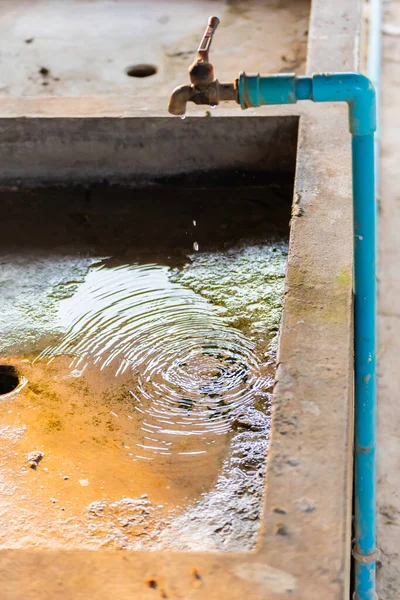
{"type": "Point", "coordinates": [204, 88]}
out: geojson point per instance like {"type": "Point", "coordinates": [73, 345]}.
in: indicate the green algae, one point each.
{"type": "Point", "coordinates": [247, 284]}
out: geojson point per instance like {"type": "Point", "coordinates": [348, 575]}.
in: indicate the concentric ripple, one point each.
{"type": "Point", "coordinates": [191, 372]}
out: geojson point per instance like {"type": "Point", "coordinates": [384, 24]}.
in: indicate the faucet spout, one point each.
{"type": "Point", "coordinates": [211, 95]}
{"type": "Point", "coordinates": [179, 98]}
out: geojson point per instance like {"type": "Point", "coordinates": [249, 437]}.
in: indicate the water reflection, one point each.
{"type": "Point", "coordinates": [190, 373]}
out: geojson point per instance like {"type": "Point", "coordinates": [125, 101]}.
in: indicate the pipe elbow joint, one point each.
{"type": "Point", "coordinates": [362, 106]}
{"type": "Point", "coordinates": [286, 88]}
{"type": "Point", "coordinates": [355, 89]}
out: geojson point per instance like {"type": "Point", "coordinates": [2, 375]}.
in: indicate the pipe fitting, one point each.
{"type": "Point", "coordinates": [287, 88]}
{"type": "Point", "coordinates": [366, 559]}
{"type": "Point", "coordinates": [257, 90]}
{"type": "Point", "coordinates": [355, 89]}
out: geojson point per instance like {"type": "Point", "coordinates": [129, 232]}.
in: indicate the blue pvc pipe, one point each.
{"type": "Point", "coordinates": [365, 363]}
{"type": "Point", "coordinates": [358, 92]}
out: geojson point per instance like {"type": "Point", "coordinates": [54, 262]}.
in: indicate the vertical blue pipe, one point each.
{"type": "Point", "coordinates": [364, 213]}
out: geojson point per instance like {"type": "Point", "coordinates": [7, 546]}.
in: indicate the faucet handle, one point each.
{"type": "Point", "coordinates": [201, 72]}
{"type": "Point", "coordinates": [204, 48]}
{"type": "Point", "coordinates": [204, 88]}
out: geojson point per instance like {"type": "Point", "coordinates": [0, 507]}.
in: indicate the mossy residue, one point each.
{"type": "Point", "coordinates": [31, 287]}
{"type": "Point", "coordinates": [247, 282]}
{"type": "Point", "coordinates": [325, 298]}
{"type": "Point", "coordinates": [344, 277]}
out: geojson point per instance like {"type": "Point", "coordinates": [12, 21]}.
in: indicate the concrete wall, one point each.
{"type": "Point", "coordinates": [135, 150]}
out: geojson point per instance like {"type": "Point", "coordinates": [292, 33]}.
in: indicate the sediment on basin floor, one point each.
{"type": "Point", "coordinates": [150, 372]}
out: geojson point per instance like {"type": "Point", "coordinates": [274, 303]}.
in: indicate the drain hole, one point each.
{"type": "Point", "coordinates": [8, 379]}
{"type": "Point", "coordinates": [141, 70]}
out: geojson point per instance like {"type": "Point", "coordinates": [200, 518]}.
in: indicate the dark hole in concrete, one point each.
{"type": "Point", "coordinates": [8, 379]}
{"type": "Point", "coordinates": [141, 70]}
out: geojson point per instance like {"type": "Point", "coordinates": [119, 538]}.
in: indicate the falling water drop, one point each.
{"type": "Point", "coordinates": [194, 223]}
{"type": "Point", "coordinates": [196, 246]}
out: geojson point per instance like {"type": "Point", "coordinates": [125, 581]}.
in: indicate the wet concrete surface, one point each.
{"type": "Point", "coordinates": [88, 47]}
{"type": "Point", "coordinates": [145, 337]}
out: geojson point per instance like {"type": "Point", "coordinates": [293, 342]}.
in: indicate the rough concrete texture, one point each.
{"type": "Point", "coordinates": [64, 63]}
{"type": "Point", "coordinates": [84, 47]}
{"type": "Point", "coordinates": [388, 454]}
{"type": "Point", "coordinates": [135, 150]}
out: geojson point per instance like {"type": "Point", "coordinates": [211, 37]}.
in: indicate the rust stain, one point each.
{"type": "Point", "coordinates": [87, 489]}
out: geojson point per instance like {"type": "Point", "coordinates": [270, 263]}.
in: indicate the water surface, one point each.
{"type": "Point", "coordinates": [149, 370]}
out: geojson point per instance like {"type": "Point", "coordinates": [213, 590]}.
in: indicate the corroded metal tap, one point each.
{"type": "Point", "coordinates": [204, 88]}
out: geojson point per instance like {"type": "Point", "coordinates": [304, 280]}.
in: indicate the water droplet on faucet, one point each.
{"type": "Point", "coordinates": [213, 105]}
{"type": "Point", "coordinates": [183, 117]}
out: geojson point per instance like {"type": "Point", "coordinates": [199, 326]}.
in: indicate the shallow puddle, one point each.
{"type": "Point", "coordinates": [147, 388]}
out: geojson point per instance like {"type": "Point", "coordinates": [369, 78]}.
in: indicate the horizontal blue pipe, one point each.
{"type": "Point", "coordinates": [286, 88]}
{"type": "Point", "coordinates": [358, 92]}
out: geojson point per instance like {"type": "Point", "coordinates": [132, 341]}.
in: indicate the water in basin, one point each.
{"type": "Point", "coordinates": [148, 370]}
